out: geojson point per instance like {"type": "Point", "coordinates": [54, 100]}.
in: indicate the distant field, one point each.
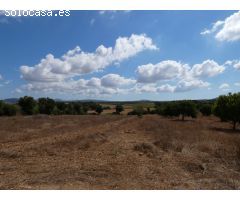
{"type": "Point", "coordinates": [118, 152]}
{"type": "Point", "coordinates": [128, 107]}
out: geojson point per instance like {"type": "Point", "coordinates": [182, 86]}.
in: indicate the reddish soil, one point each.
{"type": "Point", "coordinates": [117, 152]}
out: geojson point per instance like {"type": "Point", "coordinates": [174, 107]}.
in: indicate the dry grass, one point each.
{"type": "Point", "coordinates": [117, 152]}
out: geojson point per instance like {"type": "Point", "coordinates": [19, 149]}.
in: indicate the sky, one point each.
{"type": "Point", "coordinates": [121, 55]}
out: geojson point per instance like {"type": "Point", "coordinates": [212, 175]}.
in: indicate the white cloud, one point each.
{"type": "Point", "coordinates": [185, 85]}
{"type": "Point", "coordinates": [224, 86]}
{"type": "Point", "coordinates": [152, 88]}
{"type": "Point", "coordinates": [114, 80]}
{"type": "Point", "coordinates": [18, 90]}
{"type": "Point", "coordinates": [181, 86]}
{"type": "Point", "coordinates": [144, 88]}
{"type": "Point", "coordinates": [1, 78]}
{"type": "Point", "coordinates": [106, 85]}
{"type": "Point", "coordinates": [170, 70]}
{"type": "Point", "coordinates": [166, 88]}
{"type": "Point", "coordinates": [233, 63]}
{"type": "Point", "coordinates": [92, 21]}
{"type": "Point", "coordinates": [76, 62]}
{"type": "Point", "coordinates": [186, 77]}
{"type": "Point", "coordinates": [237, 84]}
{"type": "Point", "coordinates": [226, 30]}
{"type": "Point", "coordinates": [237, 65]}
{"type": "Point", "coordinates": [214, 28]}
{"type": "Point", "coordinates": [102, 12]}
{"type": "Point", "coordinates": [165, 70]}
{"type": "Point", "coordinates": [207, 68]}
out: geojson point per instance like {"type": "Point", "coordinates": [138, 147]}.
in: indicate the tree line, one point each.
{"type": "Point", "coordinates": [226, 107]}
{"type": "Point", "coordinates": [29, 106]}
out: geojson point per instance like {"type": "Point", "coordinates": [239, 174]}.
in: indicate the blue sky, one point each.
{"type": "Point", "coordinates": [121, 55]}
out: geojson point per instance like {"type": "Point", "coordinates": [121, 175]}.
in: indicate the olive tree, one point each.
{"type": "Point", "coordinates": [180, 108]}
{"type": "Point", "coordinates": [206, 109]}
{"type": "Point", "coordinates": [227, 108]}
{"type": "Point", "coordinates": [46, 105]}
{"type": "Point", "coordinates": [27, 105]}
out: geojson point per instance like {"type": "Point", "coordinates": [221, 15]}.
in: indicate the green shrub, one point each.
{"type": "Point", "coordinates": [27, 105]}
{"type": "Point", "coordinates": [9, 110]}
{"type": "Point", "coordinates": [139, 111]}
{"type": "Point", "coordinates": [99, 109]}
{"type": "Point", "coordinates": [119, 108]}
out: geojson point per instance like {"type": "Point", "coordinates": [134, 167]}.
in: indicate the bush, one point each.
{"type": "Point", "coordinates": [139, 111]}
{"type": "Point", "coordinates": [9, 110]}
{"type": "Point", "coordinates": [99, 109]}
{"type": "Point", "coordinates": [56, 111]}
{"type": "Point", "coordinates": [119, 108]}
{"type": "Point", "coordinates": [61, 106]}
{"type": "Point", "coordinates": [27, 105]}
{"type": "Point", "coordinates": [106, 108]}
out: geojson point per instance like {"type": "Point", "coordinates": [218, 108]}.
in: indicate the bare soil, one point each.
{"type": "Point", "coordinates": [118, 152]}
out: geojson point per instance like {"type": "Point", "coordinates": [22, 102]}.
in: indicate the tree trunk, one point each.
{"type": "Point", "coordinates": [234, 125]}
{"type": "Point", "coordinates": [182, 117]}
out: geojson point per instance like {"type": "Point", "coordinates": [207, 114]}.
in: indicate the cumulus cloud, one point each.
{"type": "Point", "coordinates": [144, 88]}
{"type": "Point", "coordinates": [115, 80]}
{"type": "Point", "coordinates": [166, 88]}
{"type": "Point", "coordinates": [214, 28]}
{"type": "Point", "coordinates": [224, 86]}
{"type": "Point", "coordinates": [77, 62]}
{"type": "Point", "coordinates": [169, 70]}
{"type": "Point", "coordinates": [233, 63]}
{"type": "Point", "coordinates": [62, 74]}
{"type": "Point", "coordinates": [106, 85]}
{"type": "Point", "coordinates": [207, 68]}
{"type": "Point", "coordinates": [165, 70]}
{"type": "Point", "coordinates": [187, 85]}
{"type": "Point", "coordinates": [181, 86]}
{"type": "Point", "coordinates": [237, 65]}
{"type": "Point", "coordinates": [186, 77]}
{"type": "Point", "coordinates": [227, 29]}
{"type": "Point", "coordinates": [152, 88]}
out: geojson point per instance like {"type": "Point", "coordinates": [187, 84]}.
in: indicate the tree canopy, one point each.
{"type": "Point", "coordinates": [227, 108]}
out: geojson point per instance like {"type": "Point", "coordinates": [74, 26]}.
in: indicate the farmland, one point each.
{"type": "Point", "coordinates": [118, 152]}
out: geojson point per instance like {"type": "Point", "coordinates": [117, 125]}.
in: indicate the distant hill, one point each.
{"type": "Point", "coordinates": [15, 100]}
{"type": "Point", "coordinates": [11, 100]}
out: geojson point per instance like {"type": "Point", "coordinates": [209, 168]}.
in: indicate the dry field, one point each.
{"type": "Point", "coordinates": [117, 152]}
